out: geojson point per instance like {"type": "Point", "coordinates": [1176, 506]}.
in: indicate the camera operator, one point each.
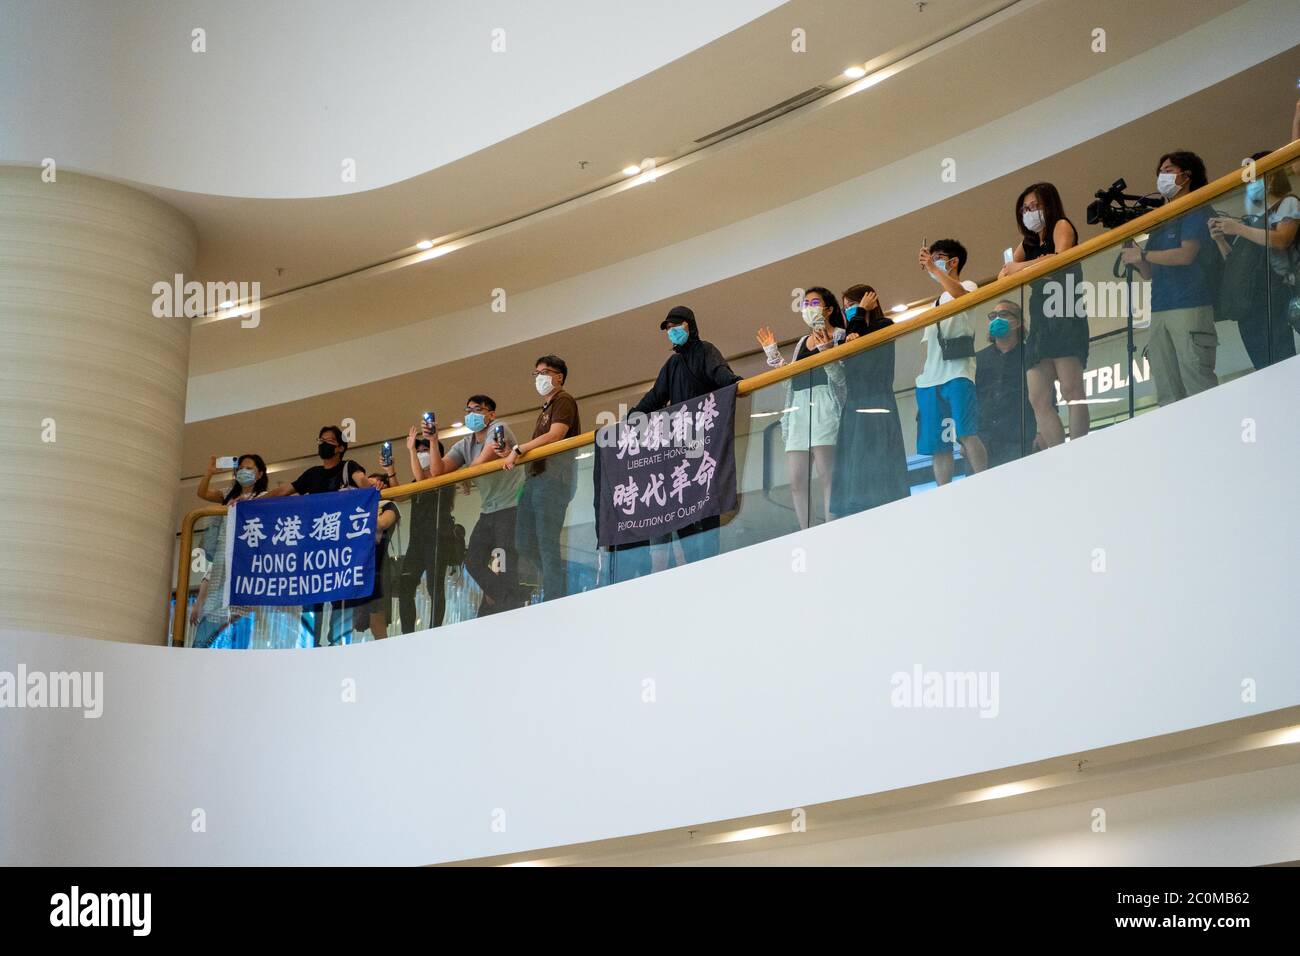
{"type": "Point", "coordinates": [1183, 343]}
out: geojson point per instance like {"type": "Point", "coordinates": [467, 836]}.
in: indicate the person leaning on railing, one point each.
{"type": "Point", "coordinates": [871, 457]}
{"type": "Point", "coordinates": [552, 482]}
{"type": "Point", "coordinates": [1261, 244]}
{"type": "Point", "coordinates": [372, 611]}
{"type": "Point", "coordinates": [335, 473]}
{"type": "Point", "coordinates": [432, 547]}
{"type": "Point", "coordinates": [1056, 346]}
{"type": "Point", "coordinates": [209, 617]}
{"type": "Point", "coordinates": [813, 402]}
{"type": "Point", "coordinates": [499, 497]}
{"type": "Point", "coordinates": [695, 368]}
{"type": "Point", "coordinates": [1183, 343]}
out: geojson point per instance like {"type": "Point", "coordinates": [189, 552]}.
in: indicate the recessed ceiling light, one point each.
{"type": "Point", "coordinates": [855, 73]}
{"type": "Point", "coordinates": [631, 170]}
{"type": "Point", "coordinates": [424, 244]}
{"type": "Point", "coordinates": [899, 308]}
{"type": "Point", "coordinates": [227, 304]}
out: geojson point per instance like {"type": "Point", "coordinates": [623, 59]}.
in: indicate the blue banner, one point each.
{"type": "Point", "coordinates": [302, 549]}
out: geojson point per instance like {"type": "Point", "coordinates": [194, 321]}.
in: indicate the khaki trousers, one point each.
{"type": "Point", "coordinates": [1181, 351]}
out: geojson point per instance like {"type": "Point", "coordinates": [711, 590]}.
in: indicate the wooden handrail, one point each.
{"type": "Point", "coordinates": [995, 290]}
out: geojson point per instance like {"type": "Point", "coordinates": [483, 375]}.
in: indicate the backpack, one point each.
{"type": "Point", "coordinates": [1212, 266]}
{"type": "Point", "coordinates": [1242, 292]}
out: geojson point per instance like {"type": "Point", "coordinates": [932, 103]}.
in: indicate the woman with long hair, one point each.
{"type": "Point", "coordinates": [810, 423]}
{"type": "Point", "coordinates": [216, 624]}
{"type": "Point", "coordinates": [870, 457]}
{"type": "Point", "coordinates": [1056, 348]}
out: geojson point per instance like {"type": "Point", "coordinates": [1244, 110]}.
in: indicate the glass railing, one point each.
{"type": "Point", "coordinates": [1095, 336]}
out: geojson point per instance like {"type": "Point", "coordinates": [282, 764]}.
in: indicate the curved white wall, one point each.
{"type": "Point", "coordinates": [767, 697]}
{"type": "Point", "coordinates": [116, 88]}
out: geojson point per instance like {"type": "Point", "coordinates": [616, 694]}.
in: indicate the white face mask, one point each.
{"type": "Point", "coordinates": [1033, 220]}
{"type": "Point", "coordinates": [1167, 184]}
{"type": "Point", "coordinates": [423, 458]}
{"type": "Point", "coordinates": [812, 316]}
{"type": "Point", "coordinates": [544, 385]}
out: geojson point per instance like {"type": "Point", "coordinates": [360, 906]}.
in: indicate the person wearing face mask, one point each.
{"type": "Point", "coordinates": [871, 457]}
{"type": "Point", "coordinates": [1260, 244]}
{"type": "Point", "coordinates": [1007, 418]}
{"type": "Point", "coordinates": [334, 473]}
{"type": "Point", "coordinates": [694, 368]}
{"type": "Point", "coordinates": [372, 612]}
{"type": "Point", "coordinates": [551, 481]}
{"type": "Point", "coordinates": [814, 401]}
{"type": "Point", "coordinates": [1056, 348]}
{"type": "Point", "coordinates": [945, 389]}
{"type": "Point", "coordinates": [432, 547]}
{"type": "Point", "coordinates": [215, 624]}
{"type": "Point", "coordinates": [1183, 343]}
{"type": "Point", "coordinates": [499, 490]}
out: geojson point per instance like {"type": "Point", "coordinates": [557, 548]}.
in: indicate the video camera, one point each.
{"type": "Point", "coordinates": [1113, 207]}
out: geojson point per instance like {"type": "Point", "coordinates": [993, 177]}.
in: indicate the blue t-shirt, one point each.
{"type": "Point", "coordinates": [1180, 287]}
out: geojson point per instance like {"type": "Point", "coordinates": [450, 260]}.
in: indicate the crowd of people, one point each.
{"type": "Point", "coordinates": [840, 419]}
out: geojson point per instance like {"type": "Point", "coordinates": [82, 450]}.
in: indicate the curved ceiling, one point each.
{"type": "Point", "coordinates": [764, 197]}
{"type": "Point", "coordinates": [283, 92]}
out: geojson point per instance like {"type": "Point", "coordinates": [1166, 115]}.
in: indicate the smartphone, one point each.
{"type": "Point", "coordinates": [499, 434]}
{"type": "Point", "coordinates": [1008, 254]}
{"type": "Point", "coordinates": [228, 461]}
{"type": "Point", "coordinates": [386, 453]}
{"type": "Point", "coordinates": [427, 418]}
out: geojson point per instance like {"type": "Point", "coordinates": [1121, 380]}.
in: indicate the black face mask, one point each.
{"type": "Point", "coordinates": [326, 450]}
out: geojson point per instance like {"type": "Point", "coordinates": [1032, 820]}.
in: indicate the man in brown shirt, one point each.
{"type": "Point", "coordinates": [551, 481]}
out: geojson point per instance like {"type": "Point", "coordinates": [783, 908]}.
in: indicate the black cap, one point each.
{"type": "Point", "coordinates": [679, 313]}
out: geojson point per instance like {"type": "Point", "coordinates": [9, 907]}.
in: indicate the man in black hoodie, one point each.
{"type": "Point", "coordinates": [695, 368]}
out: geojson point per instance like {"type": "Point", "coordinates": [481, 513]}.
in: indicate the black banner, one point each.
{"type": "Point", "coordinates": [660, 472]}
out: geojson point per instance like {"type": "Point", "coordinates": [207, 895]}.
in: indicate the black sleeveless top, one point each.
{"type": "Point", "coordinates": [810, 379]}
{"type": "Point", "coordinates": [1035, 247]}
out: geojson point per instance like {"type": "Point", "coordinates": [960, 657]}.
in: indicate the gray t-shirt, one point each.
{"type": "Point", "coordinates": [498, 490]}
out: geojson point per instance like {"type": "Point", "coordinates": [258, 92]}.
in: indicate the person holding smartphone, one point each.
{"type": "Point", "coordinates": [432, 547]}
{"type": "Point", "coordinates": [1261, 243]}
{"type": "Point", "coordinates": [945, 389]}
{"type": "Point", "coordinates": [491, 556]}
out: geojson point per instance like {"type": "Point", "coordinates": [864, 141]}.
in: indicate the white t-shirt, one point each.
{"type": "Point", "coordinates": [936, 371]}
{"type": "Point", "coordinates": [1288, 208]}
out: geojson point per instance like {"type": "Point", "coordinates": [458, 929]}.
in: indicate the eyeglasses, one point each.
{"type": "Point", "coordinates": [1003, 314]}
{"type": "Point", "coordinates": [1032, 206]}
